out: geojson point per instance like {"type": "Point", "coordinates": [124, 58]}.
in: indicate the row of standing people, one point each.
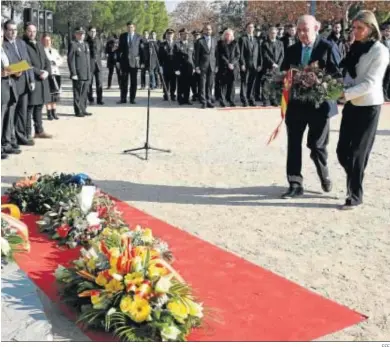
{"type": "Point", "coordinates": [24, 94]}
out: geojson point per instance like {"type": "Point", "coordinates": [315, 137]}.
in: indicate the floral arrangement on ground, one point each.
{"type": "Point", "coordinates": [123, 282]}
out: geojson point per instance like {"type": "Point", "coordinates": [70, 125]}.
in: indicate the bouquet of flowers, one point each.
{"type": "Point", "coordinates": [310, 84]}
{"type": "Point", "coordinates": [11, 241]}
{"type": "Point", "coordinates": [39, 193]}
{"type": "Point", "coordinates": [130, 290]}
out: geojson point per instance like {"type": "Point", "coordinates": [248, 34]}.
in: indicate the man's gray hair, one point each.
{"type": "Point", "coordinates": [228, 31]}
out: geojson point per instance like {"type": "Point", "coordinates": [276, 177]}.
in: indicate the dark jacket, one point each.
{"type": "Point", "coordinates": [79, 61]}
{"type": "Point", "coordinates": [328, 57]}
{"type": "Point", "coordinates": [250, 54]}
{"type": "Point", "coordinates": [27, 77]}
{"type": "Point", "coordinates": [39, 61]}
{"type": "Point", "coordinates": [228, 54]}
{"type": "Point", "coordinates": [204, 57]}
{"type": "Point", "coordinates": [129, 51]}
{"type": "Point", "coordinates": [340, 43]}
{"type": "Point", "coordinates": [273, 53]}
{"type": "Point", "coordinates": [8, 89]}
{"type": "Point", "coordinates": [149, 54]}
{"type": "Point", "coordinates": [112, 52]}
{"type": "Point", "coordinates": [288, 41]}
{"type": "Point", "coordinates": [95, 52]}
{"type": "Point", "coordinates": [166, 56]}
{"type": "Point", "coordinates": [183, 55]}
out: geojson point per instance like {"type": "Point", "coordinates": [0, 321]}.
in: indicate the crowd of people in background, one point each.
{"type": "Point", "coordinates": [192, 67]}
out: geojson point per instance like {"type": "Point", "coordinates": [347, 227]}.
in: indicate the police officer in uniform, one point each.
{"type": "Point", "coordinates": [184, 67]}
{"type": "Point", "coordinates": [195, 81]}
{"type": "Point", "coordinates": [80, 72]}
{"type": "Point", "coordinates": [166, 60]}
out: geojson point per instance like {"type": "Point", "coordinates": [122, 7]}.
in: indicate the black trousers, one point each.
{"type": "Point", "coordinates": [97, 74]}
{"type": "Point", "coordinates": [258, 92]}
{"type": "Point", "coordinates": [20, 118]}
{"type": "Point", "coordinates": [143, 78]}
{"type": "Point", "coordinates": [226, 87]}
{"type": "Point", "coordinates": [195, 86]}
{"type": "Point", "coordinates": [386, 84]}
{"type": "Point", "coordinates": [125, 83]}
{"type": "Point", "coordinates": [34, 112]}
{"type": "Point", "coordinates": [297, 119]}
{"type": "Point", "coordinates": [170, 82]}
{"type": "Point", "coordinates": [184, 86]}
{"type": "Point", "coordinates": [110, 74]}
{"type": "Point", "coordinates": [206, 86]}
{"type": "Point", "coordinates": [357, 135]}
{"type": "Point", "coordinates": [217, 88]}
{"type": "Point", "coordinates": [248, 79]}
{"type": "Point", "coordinates": [8, 138]}
{"type": "Point", "coordinates": [80, 91]}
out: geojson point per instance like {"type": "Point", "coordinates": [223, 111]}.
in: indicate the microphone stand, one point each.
{"type": "Point", "coordinates": [147, 146]}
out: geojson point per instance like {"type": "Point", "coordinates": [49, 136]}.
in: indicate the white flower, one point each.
{"type": "Point", "coordinates": [117, 277]}
{"type": "Point", "coordinates": [164, 284]}
{"type": "Point", "coordinates": [92, 219]}
{"type": "Point", "coordinates": [137, 228]}
{"type": "Point", "coordinates": [5, 247]}
{"type": "Point", "coordinates": [85, 198]}
{"type": "Point", "coordinates": [137, 264]}
{"type": "Point", "coordinates": [170, 333]}
{"type": "Point", "coordinates": [111, 311]}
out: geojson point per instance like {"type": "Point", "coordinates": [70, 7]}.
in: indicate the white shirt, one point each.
{"type": "Point", "coordinates": [54, 56]}
{"type": "Point", "coordinates": [366, 89]}
{"type": "Point", "coordinates": [4, 58]}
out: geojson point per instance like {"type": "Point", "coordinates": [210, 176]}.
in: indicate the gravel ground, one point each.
{"type": "Point", "coordinates": [222, 183]}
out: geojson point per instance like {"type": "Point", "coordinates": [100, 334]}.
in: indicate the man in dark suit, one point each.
{"type": "Point", "coordinates": [310, 48]}
{"type": "Point", "coordinates": [166, 56]}
{"type": "Point", "coordinates": [206, 65]}
{"type": "Point", "coordinates": [154, 71]}
{"type": "Point", "coordinates": [228, 63]}
{"type": "Point", "coordinates": [16, 51]}
{"type": "Point", "coordinates": [257, 90]}
{"type": "Point", "coordinates": [8, 101]}
{"type": "Point", "coordinates": [129, 57]}
{"type": "Point", "coordinates": [273, 55]}
{"type": "Point", "coordinates": [41, 94]}
{"type": "Point", "coordinates": [113, 60]}
{"type": "Point", "coordinates": [80, 72]}
{"type": "Point", "coordinates": [250, 64]}
{"type": "Point", "coordinates": [95, 51]}
{"type": "Point", "coordinates": [290, 37]}
{"type": "Point", "coordinates": [195, 81]}
{"type": "Point", "coordinates": [184, 67]}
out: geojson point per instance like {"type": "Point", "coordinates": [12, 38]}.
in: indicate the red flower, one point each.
{"type": "Point", "coordinates": [63, 230]}
{"type": "Point", "coordinates": [102, 211]}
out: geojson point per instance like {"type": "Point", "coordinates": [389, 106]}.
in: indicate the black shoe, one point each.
{"type": "Point", "coordinates": [222, 104]}
{"type": "Point", "coordinates": [91, 102]}
{"type": "Point", "coordinates": [100, 103]}
{"type": "Point", "coordinates": [121, 102]}
{"type": "Point", "coordinates": [132, 102]}
{"type": "Point", "coordinates": [274, 103]}
{"type": "Point", "coordinates": [108, 87]}
{"type": "Point", "coordinates": [266, 104]}
{"type": "Point", "coordinates": [173, 98]}
{"type": "Point", "coordinates": [244, 104]}
{"type": "Point", "coordinates": [293, 192]}
{"type": "Point", "coordinates": [28, 142]}
{"type": "Point", "coordinates": [16, 146]}
{"type": "Point", "coordinates": [252, 104]}
{"type": "Point", "coordinates": [50, 115]}
{"type": "Point", "coordinates": [4, 155]}
{"type": "Point", "coordinates": [79, 115]}
{"type": "Point", "coordinates": [189, 103]}
{"type": "Point", "coordinates": [165, 98]}
{"type": "Point", "coordinates": [54, 114]}
{"type": "Point", "coordinates": [327, 185]}
{"type": "Point", "coordinates": [203, 106]}
{"type": "Point", "coordinates": [10, 150]}
{"type": "Point", "coordinates": [349, 205]}
{"type": "Point", "coordinates": [87, 114]}
{"type": "Point", "coordinates": [232, 104]}
{"type": "Point", "coordinates": [180, 102]}
{"type": "Point", "coordinates": [210, 105]}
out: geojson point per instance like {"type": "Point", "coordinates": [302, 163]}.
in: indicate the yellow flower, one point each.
{"type": "Point", "coordinates": [115, 252]}
{"type": "Point", "coordinates": [178, 310]}
{"type": "Point", "coordinates": [147, 236]}
{"type": "Point", "coordinates": [156, 270]}
{"type": "Point", "coordinates": [134, 278]}
{"type": "Point", "coordinates": [139, 310]}
{"type": "Point", "coordinates": [125, 304]}
{"type": "Point", "coordinates": [114, 286]}
{"type": "Point", "coordinates": [106, 231]}
{"type": "Point", "coordinates": [95, 299]}
{"type": "Point", "coordinates": [113, 262]}
{"type": "Point", "coordinates": [91, 264]}
{"type": "Point", "coordinates": [101, 280]}
{"type": "Point", "coordinates": [194, 309]}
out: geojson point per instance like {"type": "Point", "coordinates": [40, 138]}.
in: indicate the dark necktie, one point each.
{"type": "Point", "coordinates": [16, 49]}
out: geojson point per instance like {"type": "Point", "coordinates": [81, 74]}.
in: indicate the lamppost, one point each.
{"type": "Point", "coordinates": [313, 5]}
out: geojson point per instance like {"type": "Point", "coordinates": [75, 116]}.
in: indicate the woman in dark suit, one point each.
{"type": "Point", "coordinates": [365, 66]}
{"type": "Point", "coordinates": [228, 62]}
{"type": "Point", "coordinates": [41, 94]}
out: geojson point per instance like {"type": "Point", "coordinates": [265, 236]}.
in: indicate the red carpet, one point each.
{"type": "Point", "coordinates": [248, 303]}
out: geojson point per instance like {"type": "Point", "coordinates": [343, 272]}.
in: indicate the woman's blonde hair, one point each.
{"type": "Point", "coordinates": [228, 31]}
{"type": "Point", "coordinates": [368, 18]}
